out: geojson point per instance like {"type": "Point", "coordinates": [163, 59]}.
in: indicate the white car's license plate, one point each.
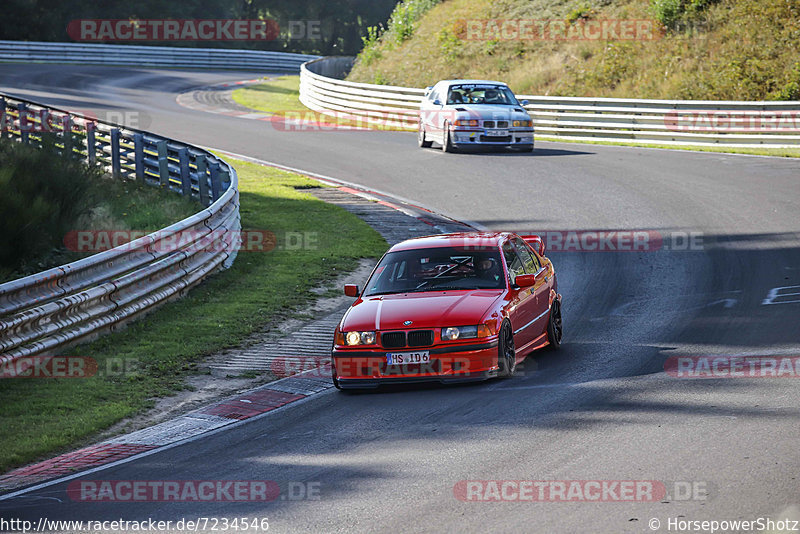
{"type": "Point", "coordinates": [403, 358]}
{"type": "Point", "coordinates": [497, 133]}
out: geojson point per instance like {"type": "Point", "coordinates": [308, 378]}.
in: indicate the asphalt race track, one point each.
{"type": "Point", "coordinates": [599, 409]}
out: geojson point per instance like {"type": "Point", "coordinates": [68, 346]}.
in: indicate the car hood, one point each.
{"type": "Point", "coordinates": [490, 112]}
{"type": "Point", "coordinates": [425, 310]}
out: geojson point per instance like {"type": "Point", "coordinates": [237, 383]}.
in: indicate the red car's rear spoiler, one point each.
{"type": "Point", "coordinates": [536, 242]}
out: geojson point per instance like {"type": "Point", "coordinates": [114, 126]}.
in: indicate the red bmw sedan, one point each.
{"type": "Point", "coordinates": [448, 308]}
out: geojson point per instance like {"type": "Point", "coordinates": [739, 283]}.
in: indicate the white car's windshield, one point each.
{"type": "Point", "coordinates": [481, 94]}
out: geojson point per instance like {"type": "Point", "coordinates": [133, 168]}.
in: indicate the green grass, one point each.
{"type": "Point", "coordinates": [755, 151]}
{"type": "Point", "coordinates": [41, 417]}
{"type": "Point", "coordinates": [272, 96]}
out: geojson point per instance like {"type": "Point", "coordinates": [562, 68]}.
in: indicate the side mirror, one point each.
{"type": "Point", "coordinates": [525, 102]}
{"type": "Point", "coordinates": [437, 102]}
{"type": "Point", "coordinates": [525, 280]}
{"type": "Point", "coordinates": [351, 290]}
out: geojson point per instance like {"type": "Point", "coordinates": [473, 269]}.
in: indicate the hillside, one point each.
{"type": "Point", "coordinates": [702, 49]}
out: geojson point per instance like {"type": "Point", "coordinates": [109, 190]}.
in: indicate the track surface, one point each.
{"type": "Point", "coordinates": [600, 409]}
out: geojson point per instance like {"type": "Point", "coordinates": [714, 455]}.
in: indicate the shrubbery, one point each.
{"type": "Point", "coordinates": [42, 195]}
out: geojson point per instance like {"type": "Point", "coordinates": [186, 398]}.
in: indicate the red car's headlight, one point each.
{"type": "Point", "coordinates": [355, 338]}
{"type": "Point", "coordinates": [465, 332]}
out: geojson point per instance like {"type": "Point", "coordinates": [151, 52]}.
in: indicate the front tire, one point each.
{"type": "Point", "coordinates": [421, 140]}
{"type": "Point", "coordinates": [447, 143]}
{"type": "Point", "coordinates": [506, 352]}
{"type": "Point", "coordinates": [555, 327]}
{"type": "Point", "coordinates": [333, 377]}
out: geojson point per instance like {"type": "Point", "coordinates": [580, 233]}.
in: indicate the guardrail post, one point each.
{"type": "Point", "coordinates": [225, 178]}
{"type": "Point", "coordinates": [23, 122]}
{"type": "Point", "coordinates": [186, 181]}
{"type": "Point", "coordinates": [216, 185]}
{"type": "Point", "coordinates": [115, 166]}
{"type": "Point", "coordinates": [138, 156]}
{"type": "Point", "coordinates": [163, 163]}
{"type": "Point", "coordinates": [91, 147]}
{"type": "Point", "coordinates": [66, 134]}
{"type": "Point", "coordinates": [202, 179]}
{"type": "Point", "coordinates": [4, 119]}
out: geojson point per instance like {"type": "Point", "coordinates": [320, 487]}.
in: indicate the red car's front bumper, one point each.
{"type": "Point", "coordinates": [364, 368]}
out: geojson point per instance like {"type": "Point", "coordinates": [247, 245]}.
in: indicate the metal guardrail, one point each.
{"type": "Point", "coordinates": [47, 311]}
{"type": "Point", "coordinates": [766, 124]}
{"type": "Point", "coordinates": [150, 56]}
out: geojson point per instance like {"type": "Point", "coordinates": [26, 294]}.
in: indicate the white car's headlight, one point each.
{"type": "Point", "coordinates": [360, 338]}
{"type": "Point", "coordinates": [466, 122]}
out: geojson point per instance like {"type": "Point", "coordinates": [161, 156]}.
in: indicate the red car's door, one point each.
{"type": "Point", "coordinates": [522, 300]}
{"type": "Point", "coordinates": [540, 304]}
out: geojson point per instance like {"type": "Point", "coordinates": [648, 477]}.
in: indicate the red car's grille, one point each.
{"type": "Point", "coordinates": [393, 340]}
{"type": "Point", "coordinates": [415, 338]}
{"type": "Point", "coordinates": [420, 338]}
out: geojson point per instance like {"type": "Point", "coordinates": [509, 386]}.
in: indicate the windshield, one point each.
{"type": "Point", "coordinates": [481, 94]}
{"type": "Point", "coordinates": [436, 269]}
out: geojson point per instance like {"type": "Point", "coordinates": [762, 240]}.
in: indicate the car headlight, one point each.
{"type": "Point", "coordinates": [464, 332]}
{"type": "Point", "coordinates": [359, 338]}
{"type": "Point", "coordinates": [522, 124]}
{"type": "Point", "coordinates": [466, 122]}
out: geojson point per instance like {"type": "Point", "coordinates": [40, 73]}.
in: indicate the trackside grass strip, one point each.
{"type": "Point", "coordinates": [41, 416]}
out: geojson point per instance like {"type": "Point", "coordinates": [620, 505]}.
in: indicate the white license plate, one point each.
{"type": "Point", "coordinates": [497, 133]}
{"type": "Point", "coordinates": [404, 358]}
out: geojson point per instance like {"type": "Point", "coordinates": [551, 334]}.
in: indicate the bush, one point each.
{"type": "Point", "coordinates": [405, 14]}
{"type": "Point", "coordinates": [671, 13]}
{"type": "Point", "coordinates": [42, 195]}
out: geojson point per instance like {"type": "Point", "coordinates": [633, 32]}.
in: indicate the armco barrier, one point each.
{"type": "Point", "coordinates": [150, 56]}
{"type": "Point", "coordinates": [766, 124]}
{"type": "Point", "coordinates": [47, 311]}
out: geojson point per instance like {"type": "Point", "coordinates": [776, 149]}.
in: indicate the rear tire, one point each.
{"type": "Point", "coordinates": [506, 352]}
{"type": "Point", "coordinates": [421, 140]}
{"type": "Point", "coordinates": [555, 326]}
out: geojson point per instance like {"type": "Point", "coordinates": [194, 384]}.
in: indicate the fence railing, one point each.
{"type": "Point", "coordinates": [150, 56]}
{"type": "Point", "coordinates": [766, 124]}
{"type": "Point", "coordinates": [47, 311]}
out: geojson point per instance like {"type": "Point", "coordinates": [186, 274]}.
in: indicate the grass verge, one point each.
{"type": "Point", "coordinates": [41, 417]}
{"type": "Point", "coordinates": [272, 96]}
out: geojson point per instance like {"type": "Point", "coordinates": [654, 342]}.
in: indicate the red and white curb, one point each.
{"type": "Point", "coordinates": [251, 404]}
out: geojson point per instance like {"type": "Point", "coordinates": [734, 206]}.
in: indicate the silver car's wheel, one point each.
{"type": "Point", "coordinates": [447, 143]}
{"type": "Point", "coordinates": [421, 140]}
